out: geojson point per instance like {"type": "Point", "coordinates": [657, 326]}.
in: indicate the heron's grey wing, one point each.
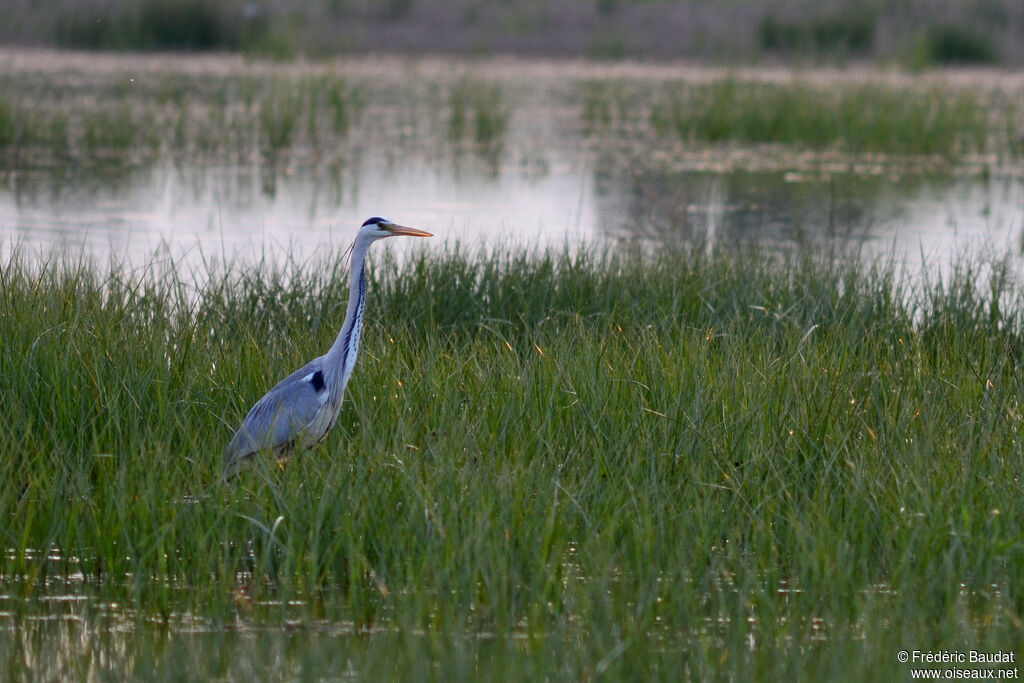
{"type": "Point", "coordinates": [279, 418]}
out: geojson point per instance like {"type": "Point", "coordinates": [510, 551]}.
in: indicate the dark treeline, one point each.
{"type": "Point", "coordinates": [918, 34]}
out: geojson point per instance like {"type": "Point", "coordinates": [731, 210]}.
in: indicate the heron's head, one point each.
{"type": "Point", "coordinates": [379, 228]}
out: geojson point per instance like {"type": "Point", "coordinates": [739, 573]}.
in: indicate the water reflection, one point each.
{"type": "Point", "coordinates": [470, 160]}
{"type": "Point", "coordinates": [279, 206]}
{"type": "Point", "coordinates": [922, 219]}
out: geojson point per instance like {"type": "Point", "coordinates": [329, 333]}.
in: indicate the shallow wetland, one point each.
{"type": "Point", "coordinates": [677, 387]}
{"type": "Point", "coordinates": [216, 155]}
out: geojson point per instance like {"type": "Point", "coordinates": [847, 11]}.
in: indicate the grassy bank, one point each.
{"type": "Point", "coordinates": [221, 110]}
{"type": "Point", "coordinates": [571, 463]}
{"type": "Point", "coordinates": [856, 120]}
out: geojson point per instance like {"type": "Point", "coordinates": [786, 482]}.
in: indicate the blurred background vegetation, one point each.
{"type": "Point", "coordinates": [915, 33]}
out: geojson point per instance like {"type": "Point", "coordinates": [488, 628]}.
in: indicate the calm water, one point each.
{"type": "Point", "coordinates": [240, 212]}
{"type": "Point", "coordinates": [544, 178]}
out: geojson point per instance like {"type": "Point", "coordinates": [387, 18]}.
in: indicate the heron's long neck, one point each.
{"type": "Point", "coordinates": [341, 358]}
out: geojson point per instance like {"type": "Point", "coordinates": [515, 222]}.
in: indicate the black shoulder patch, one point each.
{"type": "Point", "coordinates": [317, 380]}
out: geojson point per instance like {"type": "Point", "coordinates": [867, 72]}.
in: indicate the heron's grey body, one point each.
{"type": "Point", "coordinates": [301, 409]}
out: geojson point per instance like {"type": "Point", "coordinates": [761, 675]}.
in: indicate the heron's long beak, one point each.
{"type": "Point", "coordinates": [412, 232]}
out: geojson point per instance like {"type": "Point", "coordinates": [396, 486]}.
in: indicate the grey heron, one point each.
{"type": "Point", "coordinates": [301, 409]}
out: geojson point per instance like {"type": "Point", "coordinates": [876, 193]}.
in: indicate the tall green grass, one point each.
{"type": "Point", "coordinates": [858, 119]}
{"type": "Point", "coordinates": [477, 111]}
{"type": "Point", "coordinates": [571, 463]}
{"type": "Point", "coordinates": [224, 116]}
{"type": "Point", "coordinates": [61, 117]}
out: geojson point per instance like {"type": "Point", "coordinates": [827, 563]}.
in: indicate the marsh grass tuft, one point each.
{"type": "Point", "coordinates": [279, 115]}
{"type": "Point", "coordinates": [585, 461]}
{"type": "Point", "coordinates": [857, 119]}
{"type": "Point", "coordinates": [239, 113]}
{"type": "Point", "coordinates": [477, 110]}
{"type": "Point", "coordinates": [224, 116]}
